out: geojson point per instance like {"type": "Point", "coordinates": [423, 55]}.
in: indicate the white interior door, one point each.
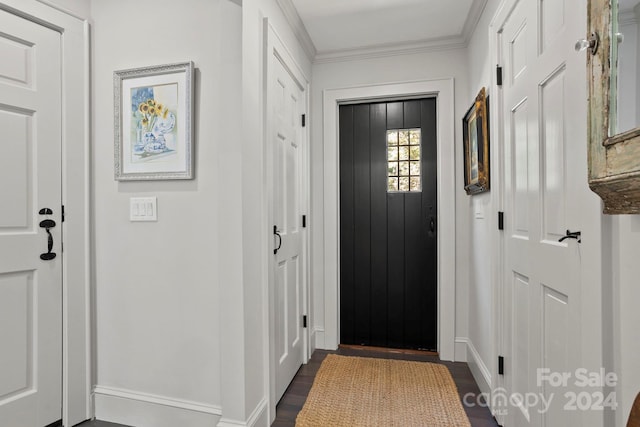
{"type": "Point", "coordinates": [287, 105]}
{"type": "Point", "coordinates": [30, 180]}
{"type": "Point", "coordinates": [543, 169]}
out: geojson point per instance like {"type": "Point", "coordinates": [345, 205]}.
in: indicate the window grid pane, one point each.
{"type": "Point", "coordinates": [403, 156]}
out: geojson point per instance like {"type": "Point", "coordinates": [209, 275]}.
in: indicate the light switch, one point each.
{"type": "Point", "coordinates": [143, 208]}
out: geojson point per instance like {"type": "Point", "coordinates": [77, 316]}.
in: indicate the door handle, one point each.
{"type": "Point", "coordinates": [48, 224]}
{"type": "Point", "coordinates": [572, 235]}
{"type": "Point", "coordinates": [432, 224]}
{"type": "Point", "coordinates": [275, 231]}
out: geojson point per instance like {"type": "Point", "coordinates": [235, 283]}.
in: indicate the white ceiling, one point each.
{"type": "Point", "coordinates": [340, 25]}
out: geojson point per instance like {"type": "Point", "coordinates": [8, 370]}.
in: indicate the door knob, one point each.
{"type": "Point", "coordinates": [591, 43]}
{"type": "Point", "coordinates": [47, 224]}
{"type": "Point", "coordinates": [275, 231]}
{"type": "Point", "coordinates": [572, 235]}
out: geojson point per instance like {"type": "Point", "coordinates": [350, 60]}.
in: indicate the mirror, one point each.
{"type": "Point", "coordinates": [613, 66]}
{"type": "Point", "coordinates": [625, 66]}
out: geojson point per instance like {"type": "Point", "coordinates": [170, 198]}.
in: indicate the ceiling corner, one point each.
{"type": "Point", "coordinates": [477, 7]}
{"type": "Point", "coordinates": [298, 28]}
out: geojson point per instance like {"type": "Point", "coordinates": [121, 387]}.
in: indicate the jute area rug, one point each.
{"type": "Point", "coordinates": [361, 391]}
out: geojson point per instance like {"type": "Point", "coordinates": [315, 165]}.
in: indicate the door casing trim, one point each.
{"type": "Point", "coordinates": [275, 47]}
{"type": "Point", "coordinates": [443, 90]}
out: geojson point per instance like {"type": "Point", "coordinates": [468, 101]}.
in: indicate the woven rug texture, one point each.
{"type": "Point", "coordinates": [365, 392]}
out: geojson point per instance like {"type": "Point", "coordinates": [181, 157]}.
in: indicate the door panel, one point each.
{"type": "Point", "coordinates": [288, 104]}
{"type": "Point", "coordinates": [30, 170]}
{"type": "Point", "coordinates": [396, 272]}
{"type": "Point", "coordinates": [347, 236]}
{"type": "Point", "coordinates": [554, 189]}
{"type": "Point", "coordinates": [362, 223]}
{"type": "Point", "coordinates": [379, 239]}
{"type": "Point", "coordinates": [16, 210]}
{"type": "Point", "coordinates": [542, 284]}
{"type": "Point", "coordinates": [388, 274]}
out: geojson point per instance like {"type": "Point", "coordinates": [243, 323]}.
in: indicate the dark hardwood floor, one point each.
{"type": "Point", "coordinates": [295, 396]}
{"type": "Point", "coordinates": [96, 423]}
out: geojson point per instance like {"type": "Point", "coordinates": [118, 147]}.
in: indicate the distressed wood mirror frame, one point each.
{"type": "Point", "coordinates": [614, 160]}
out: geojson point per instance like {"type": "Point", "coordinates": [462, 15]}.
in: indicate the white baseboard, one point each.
{"type": "Point", "coordinates": [147, 410]}
{"type": "Point", "coordinates": [479, 369]}
{"type": "Point", "coordinates": [319, 333]}
{"type": "Point", "coordinates": [258, 418]}
{"type": "Point", "coordinates": [460, 349]}
{"type": "Point", "coordinates": [313, 343]}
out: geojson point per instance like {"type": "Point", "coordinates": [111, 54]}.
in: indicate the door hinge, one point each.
{"type": "Point", "coordinates": [500, 365]}
{"type": "Point", "coordinates": [304, 221]}
{"type": "Point", "coordinates": [62, 213]}
{"type": "Point", "coordinates": [499, 75]}
{"type": "Point", "coordinates": [304, 321]}
{"type": "Point", "coordinates": [500, 220]}
{"type": "Point", "coordinates": [304, 120]}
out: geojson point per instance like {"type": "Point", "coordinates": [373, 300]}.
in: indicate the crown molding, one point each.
{"type": "Point", "coordinates": [407, 48]}
{"type": "Point", "coordinates": [473, 18]}
{"type": "Point", "coordinates": [391, 49]}
{"type": "Point", "coordinates": [300, 31]}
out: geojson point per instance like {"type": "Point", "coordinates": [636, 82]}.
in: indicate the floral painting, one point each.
{"type": "Point", "coordinates": [153, 122]}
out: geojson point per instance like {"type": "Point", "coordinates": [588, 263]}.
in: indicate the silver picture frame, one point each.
{"type": "Point", "coordinates": [153, 109]}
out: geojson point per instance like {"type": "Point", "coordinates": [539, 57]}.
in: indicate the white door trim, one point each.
{"type": "Point", "coordinates": [275, 46]}
{"type": "Point", "coordinates": [497, 170]}
{"type": "Point", "coordinates": [76, 305]}
{"type": "Point", "coordinates": [444, 91]}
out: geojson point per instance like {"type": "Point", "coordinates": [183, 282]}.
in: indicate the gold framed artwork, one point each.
{"type": "Point", "coordinates": [154, 123]}
{"type": "Point", "coordinates": [475, 131]}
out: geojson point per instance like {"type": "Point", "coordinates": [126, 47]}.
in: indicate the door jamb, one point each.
{"type": "Point", "coordinates": [498, 240]}
{"type": "Point", "coordinates": [443, 89]}
{"type": "Point", "coordinates": [275, 46]}
{"type": "Point", "coordinates": [76, 279]}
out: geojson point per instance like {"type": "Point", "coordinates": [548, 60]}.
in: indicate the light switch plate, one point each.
{"type": "Point", "coordinates": [479, 211]}
{"type": "Point", "coordinates": [143, 209]}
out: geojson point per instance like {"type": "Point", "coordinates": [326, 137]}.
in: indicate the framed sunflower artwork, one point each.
{"type": "Point", "coordinates": [153, 122]}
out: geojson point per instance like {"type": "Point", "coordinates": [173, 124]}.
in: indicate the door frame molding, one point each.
{"type": "Point", "coordinates": [443, 90]}
{"type": "Point", "coordinates": [76, 262]}
{"type": "Point", "coordinates": [497, 170]}
{"type": "Point", "coordinates": [274, 46]}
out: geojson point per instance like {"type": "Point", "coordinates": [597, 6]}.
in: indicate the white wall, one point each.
{"type": "Point", "coordinates": [482, 221]}
{"type": "Point", "coordinates": [181, 303]}
{"type": "Point", "coordinates": [159, 286]}
{"type": "Point", "coordinates": [401, 68]}
{"type": "Point", "coordinates": [625, 288]}
{"type": "Point", "coordinates": [625, 241]}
